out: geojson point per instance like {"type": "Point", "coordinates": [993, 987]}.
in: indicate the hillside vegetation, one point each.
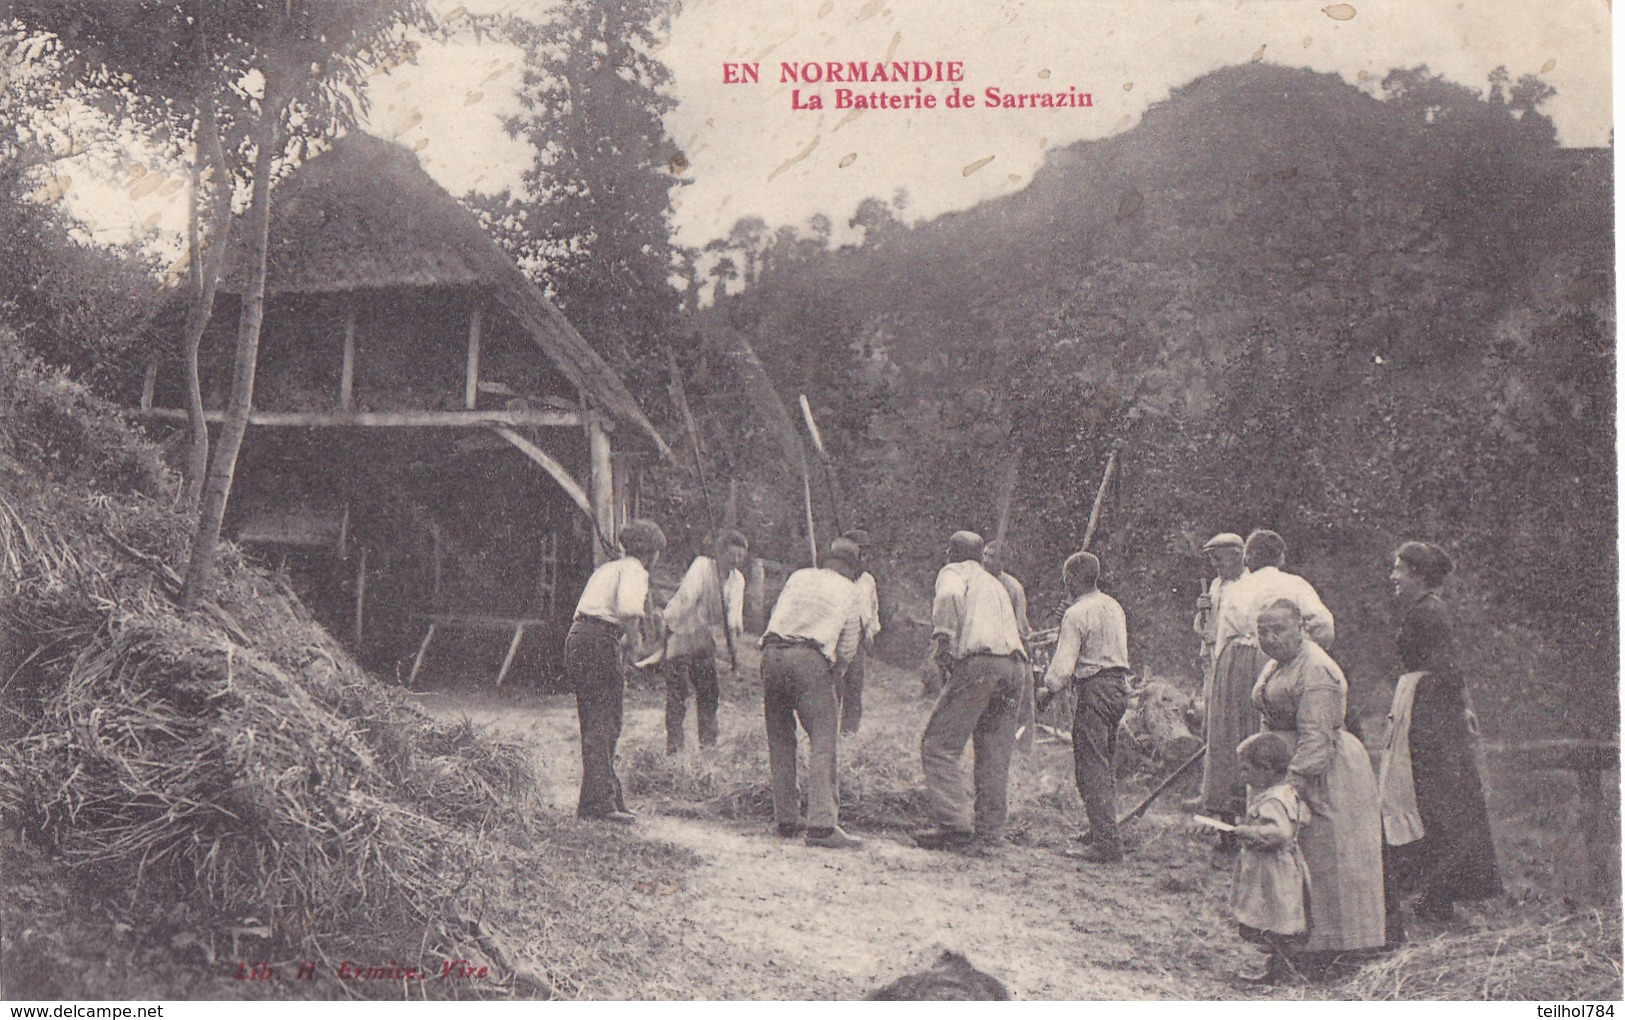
{"type": "Point", "coordinates": [1295, 306]}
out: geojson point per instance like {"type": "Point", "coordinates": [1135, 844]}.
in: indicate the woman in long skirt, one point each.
{"type": "Point", "coordinates": [1303, 697]}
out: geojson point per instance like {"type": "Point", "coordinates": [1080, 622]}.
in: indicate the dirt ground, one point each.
{"type": "Point", "coordinates": [773, 918]}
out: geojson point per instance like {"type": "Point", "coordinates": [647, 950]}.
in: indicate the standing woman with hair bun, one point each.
{"type": "Point", "coordinates": [1436, 827]}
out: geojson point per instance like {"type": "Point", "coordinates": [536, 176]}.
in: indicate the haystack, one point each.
{"type": "Point", "coordinates": [230, 770]}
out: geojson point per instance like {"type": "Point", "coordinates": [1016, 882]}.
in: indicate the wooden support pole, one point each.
{"type": "Point", "coordinates": [149, 383]}
{"type": "Point", "coordinates": [756, 597]}
{"type": "Point", "coordinates": [513, 649]}
{"type": "Point", "coordinates": [471, 387]}
{"type": "Point", "coordinates": [1599, 790]}
{"type": "Point", "coordinates": [360, 598]}
{"type": "Point", "coordinates": [439, 560]}
{"type": "Point", "coordinates": [347, 372]}
{"type": "Point", "coordinates": [417, 660]}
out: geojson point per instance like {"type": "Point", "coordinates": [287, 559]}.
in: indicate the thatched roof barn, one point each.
{"type": "Point", "coordinates": [434, 446]}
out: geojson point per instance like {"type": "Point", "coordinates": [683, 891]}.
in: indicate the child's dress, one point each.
{"type": "Point", "coordinates": [1271, 896]}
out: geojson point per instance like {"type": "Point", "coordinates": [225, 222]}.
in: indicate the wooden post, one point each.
{"type": "Point", "coordinates": [756, 597]}
{"type": "Point", "coordinates": [360, 597]}
{"type": "Point", "coordinates": [347, 373]}
{"type": "Point", "coordinates": [471, 387]}
{"type": "Point", "coordinates": [602, 488]}
{"type": "Point", "coordinates": [439, 560]}
{"type": "Point", "coordinates": [417, 661]}
{"type": "Point", "coordinates": [149, 383]}
{"type": "Point", "coordinates": [1599, 819]}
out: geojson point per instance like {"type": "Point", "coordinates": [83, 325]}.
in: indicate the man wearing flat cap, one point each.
{"type": "Point", "coordinates": [1224, 557]}
{"type": "Point", "coordinates": [979, 653]}
{"type": "Point", "coordinates": [809, 641]}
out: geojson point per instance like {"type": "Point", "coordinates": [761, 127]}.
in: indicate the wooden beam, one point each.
{"type": "Point", "coordinates": [389, 419]}
{"type": "Point", "coordinates": [347, 373]}
{"type": "Point", "coordinates": [471, 390]}
{"type": "Point", "coordinates": [149, 383]}
{"type": "Point", "coordinates": [571, 487]}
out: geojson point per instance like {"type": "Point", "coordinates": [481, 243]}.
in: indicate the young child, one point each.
{"type": "Point", "coordinates": [1271, 897]}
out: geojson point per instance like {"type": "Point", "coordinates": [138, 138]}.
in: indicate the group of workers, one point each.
{"type": "Point", "coordinates": [812, 667]}
{"type": "Point", "coordinates": [1284, 782]}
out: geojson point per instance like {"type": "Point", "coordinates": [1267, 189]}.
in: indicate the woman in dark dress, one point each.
{"type": "Point", "coordinates": [1454, 859]}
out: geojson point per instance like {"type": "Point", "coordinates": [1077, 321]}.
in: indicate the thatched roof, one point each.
{"type": "Point", "coordinates": [365, 215]}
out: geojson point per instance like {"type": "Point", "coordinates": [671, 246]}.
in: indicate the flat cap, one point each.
{"type": "Point", "coordinates": [1224, 540]}
{"type": "Point", "coordinates": [845, 549]}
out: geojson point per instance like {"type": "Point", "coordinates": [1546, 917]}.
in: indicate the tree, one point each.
{"type": "Point", "coordinates": [594, 219]}
{"type": "Point", "coordinates": [279, 70]}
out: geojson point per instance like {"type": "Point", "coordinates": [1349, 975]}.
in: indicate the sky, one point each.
{"type": "Point", "coordinates": [749, 153]}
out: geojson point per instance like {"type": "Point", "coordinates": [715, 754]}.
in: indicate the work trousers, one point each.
{"type": "Point", "coordinates": [1102, 700]}
{"type": "Point", "coordinates": [592, 660]}
{"type": "Point", "coordinates": [980, 699]}
{"type": "Point", "coordinates": [798, 683]}
{"type": "Point", "coordinates": [698, 671]}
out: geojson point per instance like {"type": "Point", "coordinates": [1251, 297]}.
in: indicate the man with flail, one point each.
{"type": "Point", "coordinates": [608, 617]}
{"type": "Point", "coordinates": [809, 641]}
{"type": "Point", "coordinates": [706, 614]}
{"type": "Point", "coordinates": [1091, 651]}
{"type": "Point", "coordinates": [983, 668]}
{"type": "Point", "coordinates": [1231, 717]}
{"type": "Point", "coordinates": [857, 674]}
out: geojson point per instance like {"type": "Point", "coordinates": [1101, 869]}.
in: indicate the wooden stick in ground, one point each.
{"type": "Point", "coordinates": [1100, 495]}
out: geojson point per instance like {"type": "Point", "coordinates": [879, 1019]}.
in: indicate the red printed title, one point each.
{"type": "Point", "coordinates": [897, 85]}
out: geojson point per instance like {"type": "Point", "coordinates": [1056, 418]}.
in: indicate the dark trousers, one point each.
{"type": "Point", "coordinates": [698, 671]}
{"type": "Point", "coordinates": [798, 683]}
{"type": "Point", "coordinates": [592, 659]}
{"type": "Point", "coordinates": [1102, 700]}
{"type": "Point", "coordinates": [980, 700]}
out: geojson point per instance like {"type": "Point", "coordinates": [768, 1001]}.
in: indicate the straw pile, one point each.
{"type": "Point", "coordinates": [228, 770]}
{"type": "Point", "coordinates": [1576, 958]}
{"type": "Point", "coordinates": [879, 778]}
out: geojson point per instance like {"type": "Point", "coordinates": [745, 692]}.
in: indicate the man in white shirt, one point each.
{"type": "Point", "coordinates": [607, 618]}
{"type": "Point", "coordinates": [979, 654]}
{"type": "Point", "coordinates": [809, 640]}
{"type": "Point", "coordinates": [707, 606]}
{"type": "Point", "coordinates": [1224, 556]}
{"type": "Point", "coordinates": [1091, 651]}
